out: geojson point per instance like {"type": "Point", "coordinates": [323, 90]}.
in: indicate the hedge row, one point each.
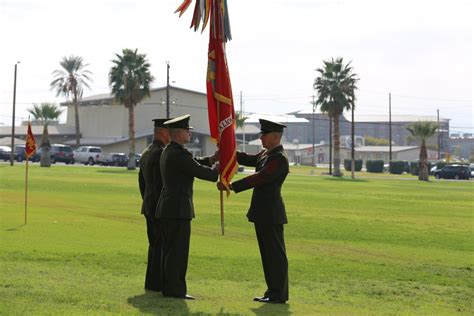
{"type": "Point", "coordinates": [357, 164]}
{"type": "Point", "coordinates": [374, 166]}
{"type": "Point", "coordinates": [396, 167]}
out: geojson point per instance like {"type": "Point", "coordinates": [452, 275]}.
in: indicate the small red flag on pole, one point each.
{"type": "Point", "coordinates": [30, 150]}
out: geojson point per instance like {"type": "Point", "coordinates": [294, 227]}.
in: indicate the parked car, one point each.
{"type": "Point", "coordinates": [137, 159]}
{"type": "Point", "coordinates": [88, 155]}
{"type": "Point", "coordinates": [113, 159]}
{"type": "Point", "coordinates": [453, 172]}
{"type": "Point", "coordinates": [61, 153]}
{"type": "Point", "coordinates": [434, 169]}
{"type": "Point", "coordinates": [20, 154]}
{"type": "Point", "coordinates": [471, 167]}
{"type": "Point", "coordinates": [5, 153]}
{"type": "Point", "coordinates": [119, 159]}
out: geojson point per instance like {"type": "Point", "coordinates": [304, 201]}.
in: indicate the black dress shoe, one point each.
{"type": "Point", "coordinates": [271, 301]}
{"type": "Point", "coordinates": [257, 299]}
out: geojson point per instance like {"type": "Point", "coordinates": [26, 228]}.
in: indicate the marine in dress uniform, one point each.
{"type": "Point", "coordinates": [267, 209]}
{"type": "Point", "coordinates": [175, 208]}
{"type": "Point", "coordinates": [149, 179]}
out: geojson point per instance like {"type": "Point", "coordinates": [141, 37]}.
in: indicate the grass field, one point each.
{"type": "Point", "coordinates": [365, 246]}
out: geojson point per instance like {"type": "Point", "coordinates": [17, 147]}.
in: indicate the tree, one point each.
{"type": "Point", "coordinates": [45, 113]}
{"type": "Point", "coordinates": [240, 122]}
{"type": "Point", "coordinates": [335, 86]}
{"type": "Point", "coordinates": [69, 81]}
{"type": "Point", "coordinates": [130, 79]}
{"type": "Point", "coordinates": [422, 131]}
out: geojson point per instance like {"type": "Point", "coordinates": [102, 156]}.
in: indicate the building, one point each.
{"type": "Point", "coordinates": [408, 153]}
{"type": "Point", "coordinates": [377, 126]}
{"type": "Point", "coordinates": [462, 148]}
{"type": "Point", "coordinates": [59, 133]}
{"type": "Point", "coordinates": [301, 153]}
{"type": "Point", "coordinates": [104, 123]}
{"type": "Point", "coordinates": [296, 127]}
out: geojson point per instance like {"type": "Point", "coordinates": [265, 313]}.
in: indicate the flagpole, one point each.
{"type": "Point", "coordinates": [26, 190]}
{"type": "Point", "coordinates": [220, 175]}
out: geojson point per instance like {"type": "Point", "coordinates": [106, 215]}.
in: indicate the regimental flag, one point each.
{"type": "Point", "coordinates": [30, 143]}
{"type": "Point", "coordinates": [219, 91]}
{"type": "Point", "coordinates": [219, 94]}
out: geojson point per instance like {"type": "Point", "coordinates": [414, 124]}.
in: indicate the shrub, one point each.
{"type": "Point", "coordinates": [374, 166]}
{"type": "Point", "coordinates": [357, 163]}
{"type": "Point", "coordinates": [396, 167]}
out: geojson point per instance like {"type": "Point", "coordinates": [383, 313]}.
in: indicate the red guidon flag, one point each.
{"type": "Point", "coordinates": [219, 97]}
{"type": "Point", "coordinates": [30, 143]}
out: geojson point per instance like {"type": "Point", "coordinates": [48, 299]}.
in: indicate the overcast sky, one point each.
{"type": "Point", "coordinates": [420, 51]}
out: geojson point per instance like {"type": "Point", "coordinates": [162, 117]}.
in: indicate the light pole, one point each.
{"type": "Point", "coordinates": [312, 119]}
{"type": "Point", "coordinates": [167, 89]}
{"type": "Point", "coordinates": [439, 139]}
{"type": "Point", "coordinates": [352, 137]}
{"type": "Point", "coordinates": [12, 154]}
{"type": "Point", "coordinates": [390, 127]}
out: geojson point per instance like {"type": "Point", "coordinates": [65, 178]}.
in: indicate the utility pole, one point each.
{"type": "Point", "coordinates": [314, 152]}
{"type": "Point", "coordinates": [390, 126]}
{"type": "Point", "coordinates": [352, 138]}
{"type": "Point", "coordinates": [167, 89]}
{"type": "Point", "coordinates": [12, 154]}
{"type": "Point", "coordinates": [439, 139]}
{"type": "Point", "coordinates": [330, 144]}
{"type": "Point", "coordinates": [243, 123]}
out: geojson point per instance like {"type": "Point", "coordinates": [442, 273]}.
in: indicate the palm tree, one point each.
{"type": "Point", "coordinates": [45, 113]}
{"type": "Point", "coordinates": [130, 80]}
{"type": "Point", "coordinates": [240, 122]}
{"type": "Point", "coordinates": [69, 81]}
{"type": "Point", "coordinates": [335, 87]}
{"type": "Point", "coordinates": [423, 131]}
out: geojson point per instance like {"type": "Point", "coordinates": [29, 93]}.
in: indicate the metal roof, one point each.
{"type": "Point", "coordinates": [248, 129]}
{"type": "Point", "coordinates": [279, 118]}
{"type": "Point", "coordinates": [395, 118]}
{"type": "Point", "coordinates": [53, 130]}
{"type": "Point", "coordinates": [384, 148]}
{"type": "Point", "coordinates": [107, 98]}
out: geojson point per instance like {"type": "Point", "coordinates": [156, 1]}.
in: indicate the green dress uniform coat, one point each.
{"type": "Point", "coordinates": [267, 212]}
{"type": "Point", "coordinates": [175, 211]}
{"type": "Point", "coordinates": [150, 183]}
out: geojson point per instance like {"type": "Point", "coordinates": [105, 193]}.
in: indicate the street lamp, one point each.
{"type": "Point", "coordinates": [13, 117]}
{"type": "Point", "coordinates": [167, 89]}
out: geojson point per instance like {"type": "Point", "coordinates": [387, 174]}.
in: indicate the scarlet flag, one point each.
{"type": "Point", "coordinates": [30, 143]}
{"type": "Point", "coordinates": [219, 96]}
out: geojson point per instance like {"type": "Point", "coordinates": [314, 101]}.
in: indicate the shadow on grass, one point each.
{"type": "Point", "coordinates": [345, 179]}
{"type": "Point", "coordinates": [153, 302]}
{"type": "Point", "coordinates": [14, 229]}
{"type": "Point", "coordinates": [116, 171]}
{"type": "Point", "coordinates": [272, 309]}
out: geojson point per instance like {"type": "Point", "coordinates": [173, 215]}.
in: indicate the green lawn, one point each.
{"type": "Point", "coordinates": [365, 246]}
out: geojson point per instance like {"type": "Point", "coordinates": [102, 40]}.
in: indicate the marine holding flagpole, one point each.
{"type": "Point", "coordinates": [267, 209]}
